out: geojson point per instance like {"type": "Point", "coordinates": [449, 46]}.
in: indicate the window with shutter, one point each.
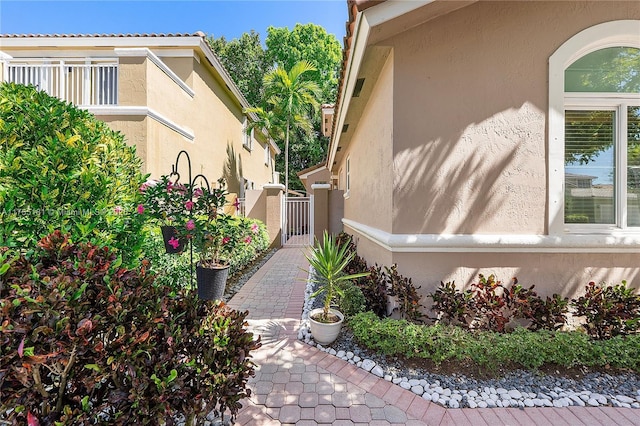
{"type": "Point", "coordinates": [602, 140]}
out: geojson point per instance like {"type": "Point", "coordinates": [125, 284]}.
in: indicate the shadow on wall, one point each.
{"type": "Point", "coordinates": [232, 172]}
{"type": "Point", "coordinates": [458, 197]}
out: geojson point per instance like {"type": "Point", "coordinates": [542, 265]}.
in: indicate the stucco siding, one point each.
{"type": "Point", "coordinates": [370, 199]}
{"type": "Point", "coordinates": [132, 81]}
{"type": "Point", "coordinates": [566, 274]}
{"type": "Point", "coordinates": [134, 130]}
{"type": "Point", "coordinates": [470, 108]}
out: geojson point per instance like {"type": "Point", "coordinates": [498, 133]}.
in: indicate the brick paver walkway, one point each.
{"type": "Point", "coordinates": [297, 384]}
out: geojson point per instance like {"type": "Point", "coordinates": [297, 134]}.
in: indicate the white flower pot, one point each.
{"type": "Point", "coordinates": [324, 333]}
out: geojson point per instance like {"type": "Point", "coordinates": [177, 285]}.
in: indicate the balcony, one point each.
{"type": "Point", "coordinates": [83, 84]}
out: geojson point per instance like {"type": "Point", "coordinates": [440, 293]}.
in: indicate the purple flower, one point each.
{"type": "Point", "coordinates": [197, 192]}
{"type": "Point", "coordinates": [189, 205]}
{"type": "Point", "coordinates": [190, 225]}
{"type": "Point", "coordinates": [173, 242]}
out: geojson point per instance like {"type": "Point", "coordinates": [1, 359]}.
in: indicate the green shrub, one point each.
{"type": "Point", "coordinates": [609, 311]}
{"type": "Point", "coordinates": [451, 305]}
{"type": "Point", "coordinates": [84, 341]}
{"type": "Point", "coordinates": [405, 292]}
{"type": "Point", "coordinates": [350, 299]}
{"type": "Point", "coordinates": [491, 305]}
{"type": "Point", "coordinates": [489, 350]}
{"type": "Point", "coordinates": [61, 168]}
{"type": "Point", "coordinates": [174, 270]}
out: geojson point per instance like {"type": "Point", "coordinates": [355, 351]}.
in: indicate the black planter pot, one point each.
{"type": "Point", "coordinates": [211, 281]}
{"type": "Point", "coordinates": [167, 233]}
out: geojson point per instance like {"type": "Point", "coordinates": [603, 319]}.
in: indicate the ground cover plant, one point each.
{"type": "Point", "coordinates": [86, 341]}
{"type": "Point", "coordinates": [491, 350]}
{"type": "Point", "coordinates": [61, 168]}
{"type": "Point", "coordinates": [494, 325]}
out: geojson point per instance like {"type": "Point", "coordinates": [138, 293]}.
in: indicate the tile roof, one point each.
{"type": "Point", "coordinates": [196, 34]}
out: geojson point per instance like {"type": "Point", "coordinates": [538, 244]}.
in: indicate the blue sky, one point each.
{"type": "Point", "coordinates": [213, 17]}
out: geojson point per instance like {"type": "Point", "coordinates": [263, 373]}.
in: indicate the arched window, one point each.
{"type": "Point", "coordinates": [594, 131]}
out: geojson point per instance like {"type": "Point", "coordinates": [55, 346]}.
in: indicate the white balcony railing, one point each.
{"type": "Point", "coordinates": [81, 84]}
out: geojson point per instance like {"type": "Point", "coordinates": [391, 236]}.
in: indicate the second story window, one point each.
{"type": "Point", "coordinates": [247, 135]}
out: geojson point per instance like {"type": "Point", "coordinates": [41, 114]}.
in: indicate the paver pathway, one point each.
{"type": "Point", "coordinates": [298, 384]}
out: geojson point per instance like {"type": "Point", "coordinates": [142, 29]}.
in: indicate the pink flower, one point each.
{"type": "Point", "coordinates": [190, 225]}
{"type": "Point", "coordinates": [117, 209]}
{"type": "Point", "coordinates": [255, 228]}
{"type": "Point", "coordinates": [247, 240]}
{"type": "Point", "coordinates": [180, 188]}
{"type": "Point", "coordinates": [225, 240]}
{"type": "Point", "coordinates": [236, 204]}
{"type": "Point", "coordinates": [143, 187]}
{"type": "Point", "coordinates": [169, 186]}
{"type": "Point", "coordinates": [173, 242]}
{"type": "Point", "coordinates": [189, 205]}
{"type": "Point", "coordinates": [140, 209]}
{"type": "Point", "coordinates": [197, 192]}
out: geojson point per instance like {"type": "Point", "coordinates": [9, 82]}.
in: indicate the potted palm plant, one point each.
{"type": "Point", "coordinates": [329, 259]}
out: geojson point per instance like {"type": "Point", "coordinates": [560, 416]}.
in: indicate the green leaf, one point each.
{"type": "Point", "coordinates": [94, 367]}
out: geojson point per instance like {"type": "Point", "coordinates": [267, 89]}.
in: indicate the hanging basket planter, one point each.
{"type": "Point", "coordinates": [211, 281]}
{"type": "Point", "coordinates": [172, 244]}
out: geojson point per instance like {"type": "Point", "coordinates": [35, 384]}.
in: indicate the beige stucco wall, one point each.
{"type": "Point", "coordinates": [470, 102]}
{"type": "Point", "coordinates": [132, 81]}
{"type": "Point", "coordinates": [563, 273]}
{"type": "Point", "coordinates": [469, 140]}
{"type": "Point", "coordinates": [213, 115]}
{"type": "Point", "coordinates": [370, 152]}
{"type": "Point", "coordinates": [134, 130]}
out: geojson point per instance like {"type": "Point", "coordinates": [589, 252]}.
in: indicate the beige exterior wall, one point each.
{"type": "Point", "coordinates": [562, 273]}
{"type": "Point", "coordinates": [132, 81]}
{"type": "Point", "coordinates": [134, 129]}
{"type": "Point", "coordinates": [370, 153]}
{"type": "Point", "coordinates": [213, 115]}
{"type": "Point", "coordinates": [469, 107]}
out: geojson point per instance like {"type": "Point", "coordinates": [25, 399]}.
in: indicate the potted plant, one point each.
{"type": "Point", "coordinates": [215, 235]}
{"type": "Point", "coordinates": [171, 204]}
{"type": "Point", "coordinates": [328, 259]}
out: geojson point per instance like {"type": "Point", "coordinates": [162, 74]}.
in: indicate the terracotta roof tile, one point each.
{"type": "Point", "coordinates": [196, 34]}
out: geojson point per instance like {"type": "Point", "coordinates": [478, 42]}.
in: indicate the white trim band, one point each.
{"type": "Point", "coordinates": [500, 243]}
{"type": "Point", "coordinates": [142, 110]}
{"type": "Point", "coordinates": [143, 51]}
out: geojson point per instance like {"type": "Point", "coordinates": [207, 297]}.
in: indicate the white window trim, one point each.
{"type": "Point", "coordinates": [247, 138]}
{"type": "Point", "coordinates": [267, 155]}
{"type": "Point", "coordinates": [608, 34]}
{"type": "Point", "coordinates": [347, 177]}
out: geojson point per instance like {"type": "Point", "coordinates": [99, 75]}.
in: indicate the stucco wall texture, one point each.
{"type": "Point", "coordinates": [214, 118]}
{"type": "Point", "coordinates": [469, 109]}
{"type": "Point", "coordinates": [370, 153]}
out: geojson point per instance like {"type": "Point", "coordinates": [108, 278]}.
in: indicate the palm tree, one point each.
{"type": "Point", "coordinates": [292, 99]}
{"type": "Point", "coordinates": [267, 121]}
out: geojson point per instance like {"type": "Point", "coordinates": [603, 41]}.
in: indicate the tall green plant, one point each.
{"type": "Point", "coordinates": [329, 259]}
{"type": "Point", "coordinates": [292, 99]}
{"type": "Point", "coordinates": [61, 168]}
